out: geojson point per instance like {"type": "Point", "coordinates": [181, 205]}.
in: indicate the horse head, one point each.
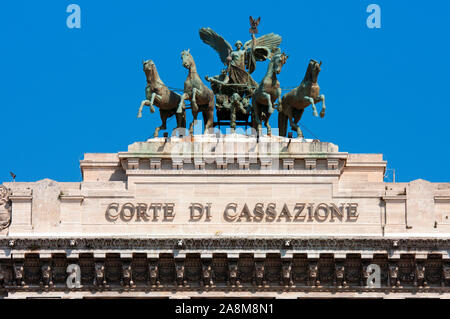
{"type": "Point", "coordinates": [312, 73]}
{"type": "Point", "coordinates": [278, 61]}
{"type": "Point", "coordinates": [187, 59]}
{"type": "Point", "coordinates": [149, 69]}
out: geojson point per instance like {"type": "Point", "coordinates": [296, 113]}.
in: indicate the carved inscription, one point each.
{"type": "Point", "coordinates": [235, 213]}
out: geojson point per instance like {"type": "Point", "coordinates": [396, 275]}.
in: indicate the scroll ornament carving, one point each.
{"type": "Point", "coordinates": [5, 207]}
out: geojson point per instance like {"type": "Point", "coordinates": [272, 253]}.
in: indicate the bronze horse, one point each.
{"type": "Point", "coordinates": [267, 93]}
{"type": "Point", "coordinates": [157, 93]}
{"type": "Point", "coordinates": [294, 103]}
{"type": "Point", "coordinates": [201, 97]}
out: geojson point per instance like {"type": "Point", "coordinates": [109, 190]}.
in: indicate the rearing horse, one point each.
{"type": "Point", "coordinates": [201, 97]}
{"type": "Point", "coordinates": [267, 93]}
{"type": "Point", "coordinates": [157, 93]}
{"type": "Point", "coordinates": [294, 103]}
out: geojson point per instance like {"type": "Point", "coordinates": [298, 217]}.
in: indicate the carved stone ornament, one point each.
{"type": "Point", "coordinates": [259, 275]}
{"type": "Point", "coordinates": [127, 272]}
{"type": "Point", "coordinates": [47, 276]}
{"type": "Point", "coordinates": [233, 274]}
{"type": "Point", "coordinates": [153, 271]}
{"type": "Point", "coordinates": [180, 271]}
{"type": "Point", "coordinates": [393, 276]}
{"type": "Point", "coordinates": [99, 280]}
{"type": "Point", "coordinates": [312, 274]}
{"type": "Point", "coordinates": [19, 274]}
{"type": "Point", "coordinates": [340, 276]}
{"type": "Point", "coordinates": [5, 207]}
{"type": "Point", "coordinates": [286, 275]}
{"type": "Point", "coordinates": [207, 276]}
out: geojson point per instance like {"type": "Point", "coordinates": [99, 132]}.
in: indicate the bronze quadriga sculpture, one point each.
{"type": "Point", "coordinates": [234, 94]}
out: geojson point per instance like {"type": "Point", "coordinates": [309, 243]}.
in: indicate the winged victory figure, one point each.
{"type": "Point", "coordinates": [244, 57]}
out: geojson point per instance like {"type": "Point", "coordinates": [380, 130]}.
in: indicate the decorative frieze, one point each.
{"type": "Point", "coordinates": [312, 245]}
{"type": "Point", "coordinates": [221, 273]}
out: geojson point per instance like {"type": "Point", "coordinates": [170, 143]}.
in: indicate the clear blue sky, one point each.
{"type": "Point", "coordinates": [65, 92]}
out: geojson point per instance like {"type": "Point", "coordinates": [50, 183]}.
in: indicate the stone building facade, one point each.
{"type": "Point", "coordinates": [226, 216]}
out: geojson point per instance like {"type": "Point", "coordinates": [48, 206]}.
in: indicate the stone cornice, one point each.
{"type": "Point", "coordinates": [242, 172]}
{"type": "Point", "coordinates": [20, 198]}
{"type": "Point", "coordinates": [71, 198]}
{"type": "Point", "coordinates": [442, 199]}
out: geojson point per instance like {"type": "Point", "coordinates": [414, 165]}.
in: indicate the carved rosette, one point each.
{"type": "Point", "coordinates": [5, 207]}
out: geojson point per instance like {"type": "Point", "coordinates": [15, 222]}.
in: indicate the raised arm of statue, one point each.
{"type": "Point", "coordinates": [250, 59]}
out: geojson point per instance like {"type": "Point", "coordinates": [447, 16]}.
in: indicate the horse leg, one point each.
{"type": "Point", "coordinates": [183, 120]}
{"type": "Point", "coordinates": [296, 120]}
{"type": "Point", "coordinates": [255, 113]}
{"type": "Point", "coordinates": [149, 103]}
{"type": "Point", "coordinates": [194, 100]}
{"type": "Point", "coordinates": [191, 127]}
{"type": "Point", "coordinates": [210, 115]}
{"type": "Point", "coordinates": [322, 112]}
{"type": "Point", "coordinates": [293, 123]}
{"type": "Point", "coordinates": [270, 108]}
{"type": "Point", "coordinates": [266, 123]}
{"type": "Point", "coordinates": [181, 104]}
{"type": "Point", "coordinates": [163, 124]}
{"type": "Point", "coordinates": [282, 120]}
{"type": "Point", "coordinates": [311, 100]}
{"type": "Point", "coordinates": [179, 118]}
{"type": "Point", "coordinates": [144, 102]}
{"type": "Point", "coordinates": [194, 97]}
{"type": "Point", "coordinates": [208, 124]}
{"type": "Point", "coordinates": [152, 100]}
{"type": "Point", "coordinates": [279, 100]}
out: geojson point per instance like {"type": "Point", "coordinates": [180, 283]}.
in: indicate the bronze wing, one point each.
{"type": "Point", "coordinates": [265, 46]}
{"type": "Point", "coordinates": [218, 43]}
